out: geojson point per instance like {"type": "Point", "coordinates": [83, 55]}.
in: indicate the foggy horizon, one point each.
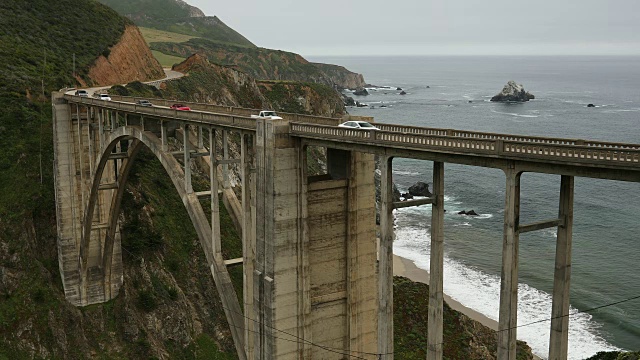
{"type": "Point", "coordinates": [438, 27]}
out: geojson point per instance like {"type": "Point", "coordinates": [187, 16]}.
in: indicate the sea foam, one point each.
{"type": "Point", "coordinates": [481, 292]}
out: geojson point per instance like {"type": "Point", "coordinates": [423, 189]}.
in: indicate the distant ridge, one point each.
{"type": "Point", "coordinates": [179, 17]}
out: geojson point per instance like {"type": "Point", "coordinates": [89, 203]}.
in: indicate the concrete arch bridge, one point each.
{"type": "Point", "coordinates": [313, 273]}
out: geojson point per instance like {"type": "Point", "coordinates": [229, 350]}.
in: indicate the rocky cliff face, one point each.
{"type": "Point", "coordinates": [342, 77]}
{"type": "Point", "coordinates": [265, 64]}
{"type": "Point", "coordinates": [214, 84]}
{"type": "Point", "coordinates": [128, 60]}
{"type": "Point", "coordinates": [302, 98]}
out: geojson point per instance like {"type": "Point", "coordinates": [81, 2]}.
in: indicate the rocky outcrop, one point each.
{"type": "Point", "coordinates": [128, 60]}
{"type": "Point", "coordinates": [214, 84]}
{"type": "Point", "coordinates": [361, 92]}
{"type": "Point", "coordinates": [341, 77]}
{"type": "Point", "coordinates": [513, 92]}
{"type": "Point", "coordinates": [420, 189]}
{"type": "Point", "coordinates": [265, 64]}
{"type": "Point", "coordinates": [302, 98]}
{"type": "Point", "coordinates": [406, 196]}
{"type": "Point", "coordinates": [348, 100]}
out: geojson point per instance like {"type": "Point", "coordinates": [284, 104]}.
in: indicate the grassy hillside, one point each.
{"type": "Point", "coordinates": [154, 35]}
{"type": "Point", "coordinates": [37, 41]}
{"type": "Point", "coordinates": [178, 17]}
{"type": "Point", "coordinates": [35, 29]}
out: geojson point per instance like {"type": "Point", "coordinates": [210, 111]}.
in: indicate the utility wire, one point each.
{"type": "Point", "coordinates": [551, 318]}
{"type": "Point", "coordinates": [333, 350]}
{"type": "Point", "coordinates": [379, 355]}
{"type": "Point", "coordinates": [296, 338]}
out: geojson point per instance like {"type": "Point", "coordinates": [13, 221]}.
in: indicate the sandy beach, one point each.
{"type": "Point", "coordinates": [407, 268]}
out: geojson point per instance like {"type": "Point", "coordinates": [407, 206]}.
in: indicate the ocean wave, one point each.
{"type": "Point", "coordinates": [515, 114]}
{"type": "Point", "coordinates": [481, 292]}
{"type": "Point", "coordinates": [410, 173]}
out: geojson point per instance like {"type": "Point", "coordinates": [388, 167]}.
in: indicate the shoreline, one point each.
{"type": "Point", "coordinates": [407, 268]}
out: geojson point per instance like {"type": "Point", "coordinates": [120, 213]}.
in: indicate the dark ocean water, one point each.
{"type": "Point", "coordinates": [606, 237]}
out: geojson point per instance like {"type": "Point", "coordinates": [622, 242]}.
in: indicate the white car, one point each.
{"type": "Point", "coordinates": [103, 97]}
{"type": "Point", "coordinates": [362, 125]}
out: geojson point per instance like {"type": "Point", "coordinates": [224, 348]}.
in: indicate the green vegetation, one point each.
{"type": "Point", "coordinates": [136, 88]}
{"type": "Point", "coordinates": [154, 35]}
{"type": "Point", "coordinates": [33, 30]}
{"type": "Point", "coordinates": [165, 60]}
{"type": "Point", "coordinates": [286, 97]}
{"type": "Point", "coordinates": [465, 339]}
{"type": "Point", "coordinates": [177, 17]}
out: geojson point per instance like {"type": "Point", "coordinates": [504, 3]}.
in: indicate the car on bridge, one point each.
{"type": "Point", "coordinates": [267, 114]}
{"type": "Point", "coordinates": [82, 93]}
{"type": "Point", "coordinates": [105, 97]}
{"type": "Point", "coordinates": [180, 107]}
{"type": "Point", "coordinates": [360, 125]}
{"type": "Point", "coordinates": [144, 103]}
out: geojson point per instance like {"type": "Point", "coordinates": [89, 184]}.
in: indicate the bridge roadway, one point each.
{"type": "Point", "coordinates": [280, 145]}
{"type": "Point", "coordinates": [578, 157]}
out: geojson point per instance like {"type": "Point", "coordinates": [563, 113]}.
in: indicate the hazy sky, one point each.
{"type": "Point", "coordinates": [359, 27]}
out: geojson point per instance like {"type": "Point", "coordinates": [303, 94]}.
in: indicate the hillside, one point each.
{"type": "Point", "coordinates": [176, 30]}
{"type": "Point", "coordinates": [178, 17]}
{"type": "Point", "coordinates": [265, 64]}
{"type": "Point", "coordinates": [225, 85]}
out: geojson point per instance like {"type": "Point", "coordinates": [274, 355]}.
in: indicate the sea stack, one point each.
{"type": "Point", "coordinates": [513, 92]}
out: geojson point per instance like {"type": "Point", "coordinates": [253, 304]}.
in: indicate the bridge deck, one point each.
{"type": "Point", "coordinates": [609, 160]}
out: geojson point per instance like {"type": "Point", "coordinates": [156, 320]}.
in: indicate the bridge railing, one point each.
{"type": "Point", "coordinates": [230, 110]}
{"type": "Point", "coordinates": [234, 116]}
{"type": "Point", "coordinates": [629, 156]}
{"type": "Point", "coordinates": [506, 137]}
{"type": "Point", "coordinates": [177, 115]}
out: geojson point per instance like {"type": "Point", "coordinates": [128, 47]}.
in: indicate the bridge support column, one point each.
{"type": "Point", "coordinates": [509, 275]}
{"type": "Point", "coordinates": [225, 156]}
{"type": "Point", "coordinates": [248, 236]}
{"type": "Point", "coordinates": [188, 187]}
{"type": "Point", "coordinates": [216, 246]}
{"type": "Point", "coordinates": [76, 150]}
{"type": "Point", "coordinates": [560, 308]}
{"type": "Point", "coordinates": [277, 298]}
{"type": "Point", "coordinates": [385, 261]}
{"type": "Point", "coordinates": [434, 325]}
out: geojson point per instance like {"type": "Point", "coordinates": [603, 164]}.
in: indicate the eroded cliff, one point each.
{"type": "Point", "coordinates": [128, 60]}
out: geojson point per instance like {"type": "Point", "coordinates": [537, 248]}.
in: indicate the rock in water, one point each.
{"type": "Point", "coordinates": [591, 105]}
{"type": "Point", "coordinates": [403, 92]}
{"type": "Point", "coordinates": [406, 196]}
{"type": "Point", "coordinates": [513, 92]}
{"type": "Point", "coordinates": [420, 189]}
{"type": "Point", "coordinates": [472, 213]}
{"type": "Point", "coordinates": [361, 92]}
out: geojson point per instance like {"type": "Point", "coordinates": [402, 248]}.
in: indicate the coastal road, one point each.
{"type": "Point", "coordinates": [169, 75]}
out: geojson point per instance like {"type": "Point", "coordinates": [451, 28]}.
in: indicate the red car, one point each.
{"type": "Point", "coordinates": [180, 107]}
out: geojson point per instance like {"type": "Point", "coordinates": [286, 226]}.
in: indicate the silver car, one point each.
{"type": "Point", "coordinates": [362, 125]}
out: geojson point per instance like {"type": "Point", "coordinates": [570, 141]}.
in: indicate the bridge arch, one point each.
{"type": "Point", "coordinates": [140, 139]}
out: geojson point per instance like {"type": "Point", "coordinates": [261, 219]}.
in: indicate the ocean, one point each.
{"type": "Point", "coordinates": [454, 92]}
